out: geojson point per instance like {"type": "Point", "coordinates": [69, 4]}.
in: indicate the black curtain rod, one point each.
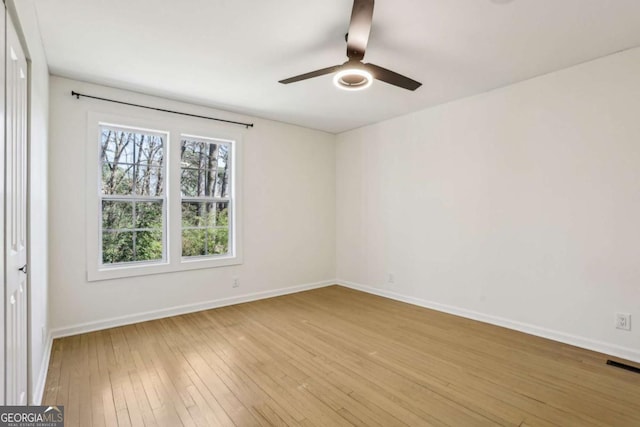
{"type": "Point", "coordinates": [78, 95]}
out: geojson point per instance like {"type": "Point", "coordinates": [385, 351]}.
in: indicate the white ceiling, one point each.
{"type": "Point", "coordinates": [230, 54]}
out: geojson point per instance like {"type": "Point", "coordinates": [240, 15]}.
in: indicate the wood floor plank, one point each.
{"type": "Point", "coordinates": [332, 356]}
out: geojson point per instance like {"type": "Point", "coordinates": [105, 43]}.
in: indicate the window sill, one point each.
{"type": "Point", "coordinates": [185, 264]}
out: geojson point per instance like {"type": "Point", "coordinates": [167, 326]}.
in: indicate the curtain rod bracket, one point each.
{"type": "Point", "coordinates": [78, 95]}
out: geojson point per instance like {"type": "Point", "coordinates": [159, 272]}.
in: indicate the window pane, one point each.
{"type": "Point", "coordinates": [117, 146]}
{"type": "Point", "coordinates": [198, 154]}
{"type": "Point", "coordinates": [222, 214]}
{"type": "Point", "coordinates": [199, 162]}
{"type": "Point", "coordinates": [116, 214]}
{"type": "Point", "coordinates": [117, 179]}
{"type": "Point", "coordinates": [132, 162]}
{"type": "Point", "coordinates": [222, 184]}
{"type": "Point", "coordinates": [209, 183]}
{"type": "Point", "coordinates": [217, 241]}
{"type": "Point", "coordinates": [148, 245]}
{"type": "Point", "coordinates": [198, 214]}
{"type": "Point", "coordinates": [149, 150]}
{"type": "Point", "coordinates": [190, 154]}
{"type": "Point", "coordinates": [189, 182]}
{"type": "Point", "coordinates": [149, 214]}
{"type": "Point", "coordinates": [193, 242]}
{"type": "Point", "coordinates": [190, 216]}
{"type": "Point", "coordinates": [197, 183]}
{"type": "Point", "coordinates": [117, 246]}
{"type": "Point", "coordinates": [149, 181]}
{"type": "Point", "coordinates": [129, 246]}
{"type": "Point", "coordinates": [223, 156]}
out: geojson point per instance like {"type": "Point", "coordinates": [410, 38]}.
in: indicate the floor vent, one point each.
{"type": "Point", "coordinates": [623, 366]}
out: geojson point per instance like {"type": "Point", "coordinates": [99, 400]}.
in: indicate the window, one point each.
{"type": "Point", "coordinates": [204, 185]}
{"type": "Point", "coordinates": [133, 195]}
{"type": "Point", "coordinates": [165, 200]}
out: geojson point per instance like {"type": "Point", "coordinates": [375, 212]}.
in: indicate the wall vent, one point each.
{"type": "Point", "coordinates": [623, 366]}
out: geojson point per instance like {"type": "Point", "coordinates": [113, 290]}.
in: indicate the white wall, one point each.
{"type": "Point", "coordinates": [520, 206]}
{"type": "Point", "coordinates": [289, 222]}
{"type": "Point", "coordinates": [27, 27]}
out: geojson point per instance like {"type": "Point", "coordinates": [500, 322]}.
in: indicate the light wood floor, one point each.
{"type": "Point", "coordinates": [332, 357]}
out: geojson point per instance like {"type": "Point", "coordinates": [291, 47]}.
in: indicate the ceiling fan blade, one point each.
{"type": "Point", "coordinates": [311, 75]}
{"type": "Point", "coordinates": [359, 28]}
{"type": "Point", "coordinates": [392, 77]}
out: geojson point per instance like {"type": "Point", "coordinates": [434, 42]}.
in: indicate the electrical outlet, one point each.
{"type": "Point", "coordinates": [235, 282]}
{"type": "Point", "coordinates": [390, 278]}
{"type": "Point", "coordinates": [623, 321]}
{"type": "Point", "coordinates": [43, 334]}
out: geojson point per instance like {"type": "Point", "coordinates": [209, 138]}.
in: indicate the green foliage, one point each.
{"type": "Point", "coordinates": [117, 247]}
{"type": "Point", "coordinates": [207, 240]}
{"type": "Point", "coordinates": [129, 246]}
{"type": "Point", "coordinates": [132, 231]}
{"type": "Point", "coordinates": [148, 245]}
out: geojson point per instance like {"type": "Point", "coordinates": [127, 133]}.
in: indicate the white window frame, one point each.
{"type": "Point", "coordinates": [201, 199]}
{"type": "Point", "coordinates": [175, 129]}
{"type": "Point", "coordinates": [133, 197]}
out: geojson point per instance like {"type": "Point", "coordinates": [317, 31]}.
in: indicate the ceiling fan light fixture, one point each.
{"type": "Point", "coordinates": [353, 79]}
{"type": "Point", "coordinates": [354, 74]}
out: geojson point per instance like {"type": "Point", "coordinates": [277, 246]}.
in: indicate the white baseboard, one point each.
{"type": "Point", "coordinates": [589, 344]}
{"type": "Point", "coordinates": [182, 309]}
{"type": "Point", "coordinates": [42, 375]}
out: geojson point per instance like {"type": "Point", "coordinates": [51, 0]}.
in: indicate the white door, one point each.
{"type": "Point", "coordinates": [15, 221]}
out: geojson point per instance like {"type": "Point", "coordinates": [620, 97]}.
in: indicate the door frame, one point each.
{"type": "Point", "coordinates": [3, 42]}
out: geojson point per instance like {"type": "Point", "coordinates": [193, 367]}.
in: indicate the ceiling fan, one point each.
{"type": "Point", "coordinates": [355, 74]}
